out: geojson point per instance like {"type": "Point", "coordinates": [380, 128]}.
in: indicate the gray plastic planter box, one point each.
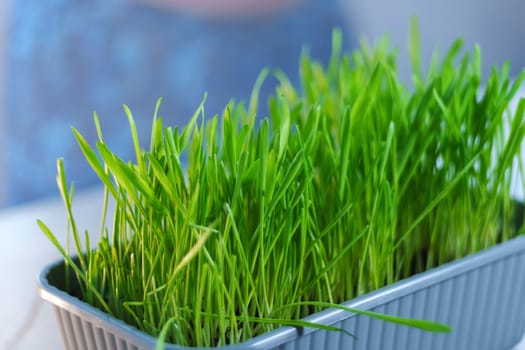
{"type": "Point", "coordinates": [481, 296]}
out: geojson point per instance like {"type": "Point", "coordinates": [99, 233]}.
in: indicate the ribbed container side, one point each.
{"type": "Point", "coordinates": [100, 342]}
{"type": "Point", "coordinates": [482, 297]}
{"type": "Point", "coordinates": [109, 339]}
{"type": "Point", "coordinates": [484, 306]}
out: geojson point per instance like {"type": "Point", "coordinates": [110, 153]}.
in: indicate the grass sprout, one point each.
{"type": "Point", "coordinates": [352, 182]}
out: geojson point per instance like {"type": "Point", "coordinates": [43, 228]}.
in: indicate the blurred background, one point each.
{"type": "Point", "coordinates": [61, 60]}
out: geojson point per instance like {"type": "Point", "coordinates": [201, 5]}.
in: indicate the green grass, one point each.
{"type": "Point", "coordinates": [354, 181]}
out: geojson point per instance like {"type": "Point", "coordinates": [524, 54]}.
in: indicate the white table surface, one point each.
{"type": "Point", "coordinates": [26, 321]}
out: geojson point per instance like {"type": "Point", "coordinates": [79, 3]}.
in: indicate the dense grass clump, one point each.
{"type": "Point", "coordinates": [352, 182]}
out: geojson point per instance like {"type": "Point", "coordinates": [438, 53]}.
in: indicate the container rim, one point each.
{"type": "Point", "coordinates": [283, 334]}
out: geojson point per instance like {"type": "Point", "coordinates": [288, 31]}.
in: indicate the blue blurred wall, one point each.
{"type": "Point", "coordinates": [68, 58]}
